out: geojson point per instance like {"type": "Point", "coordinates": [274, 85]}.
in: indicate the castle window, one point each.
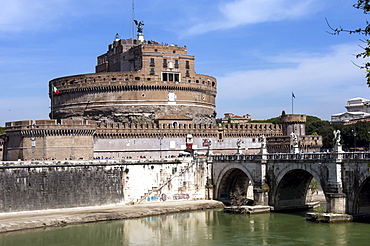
{"type": "Point", "coordinates": [174, 51]}
{"type": "Point", "coordinates": [187, 66]}
{"type": "Point", "coordinates": [152, 71]}
{"type": "Point", "coordinates": [213, 84]}
{"type": "Point", "coordinates": [170, 77]}
{"type": "Point", "coordinates": [165, 63]}
{"type": "Point", "coordinates": [197, 81]}
{"type": "Point", "coordinates": [176, 63]}
{"type": "Point", "coordinates": [155, 50]}
{"type": "Point", "coordinates": [152, 62]}
{"type": "Point", "coordinates": [187, 73]}
{"type": "Point", "coordinates": [137, 78]}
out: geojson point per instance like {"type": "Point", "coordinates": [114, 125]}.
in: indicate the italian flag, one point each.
{"type": "Point", "coordinates": [55, 90]}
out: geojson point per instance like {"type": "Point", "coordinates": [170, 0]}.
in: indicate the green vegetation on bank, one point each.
{"type": "Point", "coordinates": [2, 130]}
{"type": "Point", "coordinates": [354, 135]}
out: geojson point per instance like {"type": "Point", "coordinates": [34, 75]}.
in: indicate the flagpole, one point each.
{"type": "Point", "coordinates": [293, 96]}
{"type": "Point", "coordinates": [52, 92]}
{"type": "Point", "coordinates": [292, 103]}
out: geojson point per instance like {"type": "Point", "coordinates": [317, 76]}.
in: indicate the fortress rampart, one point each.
{"type": "Point", "coordinates": [49, 139]}
{"type": "Point", "coordinates": [83, 139]}
{"type": "Point", "coordinates": [181, 130]}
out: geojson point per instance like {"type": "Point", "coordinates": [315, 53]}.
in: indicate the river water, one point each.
{"type": "Point", "coordinates": [210, 227]}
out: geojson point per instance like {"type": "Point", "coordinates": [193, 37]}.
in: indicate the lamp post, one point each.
{"type": "Point", "coordinates": [160, 138]}
{"type": "Point", "coordinates": [354, 139]}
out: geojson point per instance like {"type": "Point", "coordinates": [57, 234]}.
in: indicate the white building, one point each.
{"type": "Point", "coordinates": [357, 108]}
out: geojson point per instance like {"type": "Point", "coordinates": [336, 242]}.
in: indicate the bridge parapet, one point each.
{"type": "Point", "coordinates": [245, 158]}
{"type": "Point", "coordinates": [332, 156]}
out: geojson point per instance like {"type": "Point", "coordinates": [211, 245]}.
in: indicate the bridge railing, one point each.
{"type": "Point", "coordinates": [321, 156]}
{"type": "Point", "coordinates": [301, 156]}
{"type": "Point", "coordinates": [252, 157]}
{"type": "Point", "coordinates": [356, 155]}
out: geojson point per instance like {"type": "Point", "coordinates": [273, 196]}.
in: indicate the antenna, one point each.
{"type": "Point", "coordinates": [133, 18]}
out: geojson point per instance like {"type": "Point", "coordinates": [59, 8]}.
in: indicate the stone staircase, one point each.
{"type": "Point", "coordinates": [157, 190]}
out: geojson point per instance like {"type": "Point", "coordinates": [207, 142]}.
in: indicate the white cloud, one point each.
{"type": "Point", "coordinates": [322, 83]}
{"type": "Point", "coordinates": [23, 15]}
{"type": "Point", "coordinates": [19, 15]}
{"type": "Point", "coordinates": [244, 12]}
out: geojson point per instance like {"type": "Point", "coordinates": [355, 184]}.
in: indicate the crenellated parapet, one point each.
{"type": "Point", "coordinates": [50, 139]}
{"type": "Point", "coordinates": [113, 130]}
{"type": "Point", "coordinates": [251, 130]}
{"type": "Point", "coordinates": [41, 128]}
{"type": "Point", "coordinates": [130, 81]}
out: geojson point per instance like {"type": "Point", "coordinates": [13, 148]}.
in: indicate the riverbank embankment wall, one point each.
{"type": "Point", "coordinates": [26, 186]}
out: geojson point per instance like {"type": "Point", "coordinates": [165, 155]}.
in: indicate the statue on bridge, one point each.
{"type": "Point", "coordinates": [263, 142]}
{"type": "Point", "coordinates": [239, 145]}
{"type": "Point", "coordinates": [337, 144]}
{"type": "Point", "coordinates": [337, 137]}
{"type": "Point", "coordinates": [294, 138]}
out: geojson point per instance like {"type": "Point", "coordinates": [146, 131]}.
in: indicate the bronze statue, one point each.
{"type": "Point", "coordinates": [139, 25]}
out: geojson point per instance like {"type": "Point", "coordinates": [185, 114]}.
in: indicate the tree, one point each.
{"type": "Point", "coordinates": [363, 5]}
{"type": "Point", "coordinates": [316, 126]}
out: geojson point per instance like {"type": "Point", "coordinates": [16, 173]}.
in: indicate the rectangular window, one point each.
{"type": "Point", "coordinates": [152, 71]}
{"type": "Point", "coordinates": [187, 66]}
{"type": "Point", "coordinates": [152, 64]}
{"type": "Point", "coordinates": [171, 77]}
{"type": "Point", "coordinates": [176, 63]}
{"type": "Point", "coordinates": [164, 62]}
{"type": "Point", "coordinates": [164, 77]}
{"type": "Point", "coordinates": [187, 73]}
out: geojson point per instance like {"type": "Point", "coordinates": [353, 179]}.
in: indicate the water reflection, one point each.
{"type": "Point", "coordinates": [212, 227]}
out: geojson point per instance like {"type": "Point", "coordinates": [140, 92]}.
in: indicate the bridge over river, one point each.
{"type": "Point", "coordinates": [282, 180]}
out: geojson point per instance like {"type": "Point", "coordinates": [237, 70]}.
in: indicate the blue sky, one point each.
{"type": "Point", "coordinates": [259, 50]}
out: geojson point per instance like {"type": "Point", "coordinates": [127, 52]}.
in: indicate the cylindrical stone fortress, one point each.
{"type": "Point", "coordinates": [138, 83]}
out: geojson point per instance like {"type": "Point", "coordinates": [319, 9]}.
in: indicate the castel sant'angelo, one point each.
{"type": "Point", "coordinates": [144, 100]}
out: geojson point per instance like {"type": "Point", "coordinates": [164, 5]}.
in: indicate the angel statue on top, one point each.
{"type": "Point", "coordinates": [139, 25]}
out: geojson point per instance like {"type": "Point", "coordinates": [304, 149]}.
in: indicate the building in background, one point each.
{"type": "Point", "coordinates": [357, 109]}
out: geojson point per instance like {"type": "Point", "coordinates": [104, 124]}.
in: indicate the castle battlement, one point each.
{"type": "Point", "coordinates": [127, 81]}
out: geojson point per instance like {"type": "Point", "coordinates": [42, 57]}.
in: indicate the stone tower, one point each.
{"type": "Point", "coordinates": [295, 123]}
{"type": "Point", "coordinates": [138, 82]}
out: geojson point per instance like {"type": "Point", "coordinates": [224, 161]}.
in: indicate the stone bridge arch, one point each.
{"type": "Point", "coordinates": [361, 201]}
{"type": "Point", "coordinates": [232, 180]}
{"type": "Point", "coordinates": [289, 185]}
